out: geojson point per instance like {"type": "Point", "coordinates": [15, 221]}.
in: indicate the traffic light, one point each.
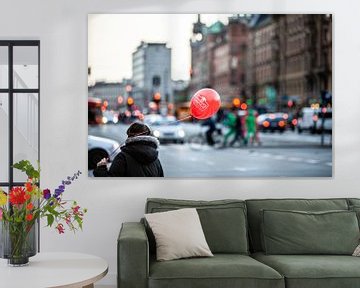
{"type": "Point", "coordinates": [128, 88]}
{"type": "Point", "coordinates": [326, 98]}
{"type": "Point", "coordinates": [130, 102]}
{"type": "Point", "coordinates": [243, 106]}
{"type": "Point", "coordinates": [236, 102]}
{"type": "Point", "coordinates": [157, 98]}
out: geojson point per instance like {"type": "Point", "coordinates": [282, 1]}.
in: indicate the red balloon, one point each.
{"type": "Point", "coordinates": [205, 103]}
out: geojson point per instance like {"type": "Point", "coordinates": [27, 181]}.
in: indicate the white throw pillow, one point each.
{"type": "Point", "coordinates": [357, 251]}
{"type": "Point", "coordinates": [178, 234]}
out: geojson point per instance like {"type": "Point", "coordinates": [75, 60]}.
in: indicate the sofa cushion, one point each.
{"type": "Point", "coordinates": [297, 232]}
{"type": "Point", "coordinates": [313, 271]}
{"type": "Point", "coordinates": [254, 217]}
{"type": "Point", "coordinates": [223, 221]}
{"type": "Point", "coordinates": [222, 270]}
{"type": "Point", "coordinates": [178, 234]}
{"type": "Point", "coordinates": [353, 201]}
{"type": "Point", "coordinates": [356, 209]}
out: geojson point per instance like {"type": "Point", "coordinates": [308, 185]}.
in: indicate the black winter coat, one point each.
{"type": "Point", "coordinates": [138, 158]}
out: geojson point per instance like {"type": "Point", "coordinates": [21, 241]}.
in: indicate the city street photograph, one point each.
{"type": "Point", "coordinates": [210, 95]}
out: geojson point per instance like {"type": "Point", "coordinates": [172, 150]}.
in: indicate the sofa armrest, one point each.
{"type": "Point", "coordinates": [133, 256]}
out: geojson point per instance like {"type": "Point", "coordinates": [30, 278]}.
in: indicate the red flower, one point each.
{"type": "Point", "coordinates": [29, 217]}
{"type": "Point", "coordinates": [75, 209]}
{"type": "Point", "coordinates": [29, 186]}
{"type": "Point", "coordinates": [17, 196]}
{"type": "Point", "coordinates": [27, 196]}
{"type": "Point", "coordinates": [60, 228]}
{"type": "Point", "coordinates": [29, 206]}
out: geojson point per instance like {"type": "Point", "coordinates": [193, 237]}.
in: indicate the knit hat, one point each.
{"type": "Point", "coordinates": [137, 129]}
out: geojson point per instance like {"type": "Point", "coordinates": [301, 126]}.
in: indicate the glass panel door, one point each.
{"type": "Point", "coordinates": [4, 141]}
{"type": "Point", "coordinates": [4, 67]}
{"type": "Point", "coordinates": [25, 67]}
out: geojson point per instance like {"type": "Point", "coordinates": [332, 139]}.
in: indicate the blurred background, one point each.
{"type": "Point", "coordinates": [273, 74]}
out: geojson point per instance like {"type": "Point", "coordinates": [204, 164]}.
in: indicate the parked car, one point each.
{"type": "Point", "coordinates": [99, 148]}
{"type": "Point", "coordinates": [306, 120]}
{"type": "Point", "coordinates": [165, 128]}
{"type": "Point", "coordinates": [272, 122]}
{"type": "Point", "coordinates": [311, 120]}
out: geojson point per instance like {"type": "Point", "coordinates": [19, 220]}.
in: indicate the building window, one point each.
{"type": "Point", "coordinates": [19, 108]}
{"type": "Point", "coordinates": [156, 80]}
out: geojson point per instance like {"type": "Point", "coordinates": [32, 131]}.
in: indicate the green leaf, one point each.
{"type": "Point", "coordinates": [52, 211]}
{"type": "Point", "coordinates": [28, 168]}
{"type": "Point", "coordinates": [50, 219]}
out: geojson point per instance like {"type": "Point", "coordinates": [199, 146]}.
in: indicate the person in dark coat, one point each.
{"type": "Point", "coordinates": [138, 157]}
{"type": "Point", "coordinates": [212, 128]}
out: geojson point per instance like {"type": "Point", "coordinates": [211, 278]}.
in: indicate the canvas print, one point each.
{"type": "Point", "coordinates": [210, 95]}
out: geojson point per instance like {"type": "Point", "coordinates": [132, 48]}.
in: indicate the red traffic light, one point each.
{"type": "Point", "coordinates": [157, 97]}
{"type": "Point", "coordinates": [128, 88]}
{"type": "Point", "coordinates": [244, 106]}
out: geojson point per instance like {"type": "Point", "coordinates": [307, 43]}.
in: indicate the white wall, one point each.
{"type": "Point", "coordinates": [62, 28]}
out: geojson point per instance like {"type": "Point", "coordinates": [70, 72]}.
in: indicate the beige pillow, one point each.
{"type": "Point", "coordinates": [178, 234]}
{"type": "Point", "coordinates": [357, 251]}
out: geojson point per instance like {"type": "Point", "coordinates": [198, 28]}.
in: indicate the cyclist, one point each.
{"type": "Point", "coordinates": [212, 128]}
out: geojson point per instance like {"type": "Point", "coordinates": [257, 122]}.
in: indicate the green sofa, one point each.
{"type": "Point", "coordinates": [245, 238]}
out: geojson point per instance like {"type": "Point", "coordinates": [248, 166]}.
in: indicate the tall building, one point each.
{"type": "Point", "coordinates": [306, 52]}
{"type": "Point", "coordinates": [151, 68]}
{"type": "Point", "coordinates": [218, 57]}
{"type": "Point", "coordinates": [289, 57]}
{"type": "Point", "coordinates": [262, 68]}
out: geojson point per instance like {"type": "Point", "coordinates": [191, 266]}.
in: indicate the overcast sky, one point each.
{"type": "Point", "coordinates": [114, 37]}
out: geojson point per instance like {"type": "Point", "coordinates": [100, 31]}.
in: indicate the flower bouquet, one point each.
{"type": "Point", "coordinates": [21, 208]}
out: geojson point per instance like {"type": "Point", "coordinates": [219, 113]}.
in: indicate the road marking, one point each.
{"type": "Point", "coordinates": [241, 169]}
{"type": "Point", "coordinates": [312, 161]}
{"type": "Point", "coordinates": [279, 157]}
{"type": "Point", "coordinates": [266, 155]}
{"type": "Point", "coordinates": [211, 163]}
{"type": "Point", "coordinates": [193, 159]}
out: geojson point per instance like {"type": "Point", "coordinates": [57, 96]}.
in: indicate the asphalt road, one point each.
{"type": "Point", "coordinates": [280, 155]}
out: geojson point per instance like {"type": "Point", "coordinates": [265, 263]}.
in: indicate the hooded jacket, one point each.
{"type": "Point", "coordinates": [138, 158]}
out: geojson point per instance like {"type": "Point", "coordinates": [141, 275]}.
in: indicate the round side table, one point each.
{"type": "Point", "coordinates": [50, 270]}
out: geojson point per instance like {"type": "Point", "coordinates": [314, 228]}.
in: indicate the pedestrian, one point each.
{"type": "Point", "coordinates": [230, 122]}
{"type": "Point", "coordinates": [239, 132]}
{"type": "Point", "coordinates": [138, 156]}
{"type": "Point", "coordinates": [251, 126]}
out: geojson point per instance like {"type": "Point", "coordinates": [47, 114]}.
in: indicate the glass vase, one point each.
{"type": "Point", "coordinates": [18, 242]}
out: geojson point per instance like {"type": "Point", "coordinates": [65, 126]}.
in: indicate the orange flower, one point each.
{"type": "Point", "coordinates": [27, 196]}
{"type": "Point", "coordinates": [29, 217]}
{"type": "Point", "coordinates": [29, 206]}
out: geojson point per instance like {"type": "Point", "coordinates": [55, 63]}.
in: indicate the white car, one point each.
{"type": "Point", "coordinates": [99, 148]}
{"type": "Point", "coordinates": [110, 117]}
{"type": "Point", "coordinates": [165, 128]}
{"type": "Point", "coordinates": [311, 120]}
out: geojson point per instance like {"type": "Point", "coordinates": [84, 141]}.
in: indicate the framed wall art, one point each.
{"type": "Point", "coordinates": [210, 95]}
